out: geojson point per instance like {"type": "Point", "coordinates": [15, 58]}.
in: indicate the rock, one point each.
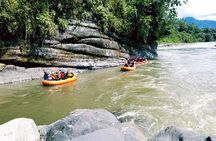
{"type": "Point", "coordinates": [173, 133]}
{"type": "Point", "coordinates": [13, 68]}
{"type": "Point", "coordinates": [101, 43]}
{"type": "Point", "coordinates": [130, 132]}
{"type": "Point", "coordinates": [82, 45]}
{"type": "Point", "coordinates": [85, 32]}
{"type": "Point", "coordinates": [89, 24]}
{"type": "Point", "coordinates": [21, 129]}
{"type": "Point", "coordinates": [2, 66]}
{"type": "Point", "coordinates": [51, 42]}
{"type": "Point", "coordinates": [91, 63]}
{"type": "Point", "coordinates": [90, 125]}
{"type": "Point", "coordinates": [88, 49]}
{"type": "Point", "coordinates": [78, 123]}
{"type": "Point", "coordinates": [108, 134]}
{"type": "Point", "coordinates": [144, 51]}
{"type": "Point", "coordinates": [76, 32]}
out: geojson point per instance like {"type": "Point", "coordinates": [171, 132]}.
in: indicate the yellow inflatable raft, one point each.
{"type": "Point", "coordinates": [58, 82]}
{"type": "Point", "coordinates": [128, 68]}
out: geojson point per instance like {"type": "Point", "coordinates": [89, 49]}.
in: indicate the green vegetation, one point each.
{"type": "Point", "coordinates": [182, 32]}
{"type": "Point", "coordinates": [140, 21]}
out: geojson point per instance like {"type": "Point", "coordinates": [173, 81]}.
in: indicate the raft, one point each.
{"type": "Point", "coordinates": [142, 63]}
{"type": "Point", "coordinates": [58, 82]}
{"type": "Point", "coordinates": [128, 68]}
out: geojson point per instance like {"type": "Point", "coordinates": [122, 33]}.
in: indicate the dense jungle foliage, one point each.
{"type": "Point", "coordinates": [142, 21]}
{"type": "Point", "coordinates": [183, 32]}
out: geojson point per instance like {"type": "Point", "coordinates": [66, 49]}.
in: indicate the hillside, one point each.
{"type": "Point", "coordinates": [201, 23]}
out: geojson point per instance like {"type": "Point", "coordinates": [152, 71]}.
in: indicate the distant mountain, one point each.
{"type": "Point", "coordinates": [201, 23]}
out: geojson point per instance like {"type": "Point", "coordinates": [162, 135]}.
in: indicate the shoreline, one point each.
{"type": "Point", "coordinates": [197, 45]}
{"type": "Point", "coordinates": [10, 74]}
{"type": "Point", "coordinates": [22, 74]}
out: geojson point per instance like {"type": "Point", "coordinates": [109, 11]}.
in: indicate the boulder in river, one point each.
{"type": "Point", "coordinates": [173, 133]}
{"type": "Point", "coordinates": [90, 125]}
{"type": "Point", "coordinates": [20, 129]}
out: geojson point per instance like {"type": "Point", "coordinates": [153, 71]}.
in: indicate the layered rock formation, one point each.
{"type": "Point", "coordinates": [82, 45]}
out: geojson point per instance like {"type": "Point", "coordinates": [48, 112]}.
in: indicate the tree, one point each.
{"type": "Point", "coordinates": [138, 21]}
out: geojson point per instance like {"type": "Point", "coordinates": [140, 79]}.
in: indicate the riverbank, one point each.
{"type": "Point", "coordinates": [13, 74]}
{"type": "Point", "coordinates": [187, 45]}
{"type": "Point", "coordinates": [24, 74]}
{"type": "Point", "coordinates": [90, 125]}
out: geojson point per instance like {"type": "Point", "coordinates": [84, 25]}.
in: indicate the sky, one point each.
{"type": "Point", "coordinates": [199, 9]}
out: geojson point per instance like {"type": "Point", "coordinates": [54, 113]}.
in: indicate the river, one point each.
{"type": "Point", "coordinates": [178, 88]}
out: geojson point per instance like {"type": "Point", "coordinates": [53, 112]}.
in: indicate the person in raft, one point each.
{"type": "Point", "coordinates": [127, 64]}
{"type": "Point", "coordinates": [58, 75]}
{"type": "Point", "coordinates": [131, 64]}
{"type": "Point", "coordinates": [69, 74]}
{"type": "Point", "coordinates": [62, 75]}
{"type": "Point", "coordinates": [46, 76]}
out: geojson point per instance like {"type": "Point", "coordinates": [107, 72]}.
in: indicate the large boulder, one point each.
{"type": "Point", "coordinates": [78, 123]}
{"type": "Point", "coordinates": [21, 129]}
{"type": "Point", "coordinates": [173, 133]}
{"type": "Point", "coordinates": [90, 125]}
{"type": "Point", "coordinates": [119, 132]}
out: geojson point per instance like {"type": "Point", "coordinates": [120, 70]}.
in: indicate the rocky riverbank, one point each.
{"type": "Point", "coordinates": [90, 125]}
{"type": "Point", "coordinates": [82, 47]}
{"type": "Point", "coordinates": [12, 74]}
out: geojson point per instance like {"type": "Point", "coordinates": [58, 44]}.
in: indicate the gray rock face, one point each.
{"type": "Point", "coordinates": [100, 42]}
{"type": "Point", "coordinates": [82, 45]}
{"type": "Point", "coordinates": [90, 125]}
{"type": "Point", "coordinates": [180, 134]}
{"type": "Point", "coordinates": [21, 129]}
{"type": "Point", "coordinates": [85, 32]}
{"type": "Point", "coordinates": [149, 51]}
{"type": "Point", "coordinates": [88, 49]}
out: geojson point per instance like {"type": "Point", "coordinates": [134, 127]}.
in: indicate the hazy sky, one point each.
{"type": "Point", "coordinates": [200, 9]}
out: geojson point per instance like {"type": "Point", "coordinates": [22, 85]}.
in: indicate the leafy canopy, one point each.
{"type": "Point", "coordinates": [141, 21]}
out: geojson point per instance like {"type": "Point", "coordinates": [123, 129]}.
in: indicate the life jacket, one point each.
{"type": "Point", "coordinates": [69, 74]}
{"type": "Point", "coordinates": [52, 75]}
{"type": "Point", "coordinates": [62, 75]}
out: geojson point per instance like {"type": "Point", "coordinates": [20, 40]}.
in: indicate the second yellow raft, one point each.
{"type": "Point", "coordinates": [128, 68]}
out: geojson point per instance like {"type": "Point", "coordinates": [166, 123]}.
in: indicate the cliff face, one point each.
{"type": "Point", "coordinates": [82, 45]}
